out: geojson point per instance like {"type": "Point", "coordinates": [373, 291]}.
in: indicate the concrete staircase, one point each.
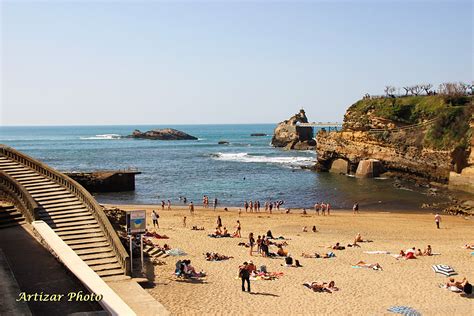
{"type": "Point", "coordinates": [67, 216]}
{"type": "Point", "coordinates": [10, 216]}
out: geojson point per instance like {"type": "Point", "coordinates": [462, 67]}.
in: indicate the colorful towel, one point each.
{"type": "Point", "coordinates": [404, 310]}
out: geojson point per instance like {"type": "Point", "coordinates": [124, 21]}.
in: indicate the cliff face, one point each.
{"type": "Point", "coordinates": [291, 136]}
{"type": "Point", "coordinates": [423, 136]}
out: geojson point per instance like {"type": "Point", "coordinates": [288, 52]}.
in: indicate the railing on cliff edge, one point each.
{"type": "Point", "coordinates": [82, 194]}
{"type": "Point", "coordinates": [396, 129]}
{"type": "Point", "coordinates": [20, 195]}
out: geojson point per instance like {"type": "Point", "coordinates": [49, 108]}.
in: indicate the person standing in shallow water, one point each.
{"type": "Point", "coordinates": [437, 220]}
{"type": "Point", "coordinates": [215, 203]}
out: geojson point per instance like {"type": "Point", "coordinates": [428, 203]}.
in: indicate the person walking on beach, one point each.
{"type": "Point", "coordinates": [169, 205]}
{"type": "Point", "coordinates": [246, 206]}
{"type": "Point", "coordinates": [251, 206]}
{"type": "Point", "coordinates": [238, 229]}
{"type": "Point", "coordinates": [244, 274]}
{"type": "Point", "coordinates": [437, 220]}
{"type": "Point", "coordinates": [184, 221]}
{"type": "Point", "coordinates": [219, 222]}
{"type": "Point", "coordinates": [258, 206]}
{"type": "Point", "coordinates": [328, 208]}
{"type": "Point", "coordinates": [191, 208]}
{"type": "Point", "coordinates": [251, 242]}
{"type": "Point", "coordinates": [215, 203]}
{"type": "Point", "coordinates": [355, 208]}
{"type": "Point", "coordinates": [162, 205]}
{"type": "Point", "coordinates": [323, 209]}
{"type": "Point", "coordinates": [154, 217]}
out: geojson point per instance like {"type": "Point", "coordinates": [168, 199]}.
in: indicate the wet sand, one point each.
{"type": "Point", "coordinates": [362, 291]}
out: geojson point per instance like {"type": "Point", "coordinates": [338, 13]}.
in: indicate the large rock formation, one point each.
{"type": "Point", "coordinates": [422, 136]}
{"type": "Point", "coordinates": [162, 134]}
{"type": "Point", "coordinates": [463, 179]}
{"type": "Point", "coordinates": [291, 136]}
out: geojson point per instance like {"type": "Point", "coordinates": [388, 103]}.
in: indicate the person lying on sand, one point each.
{"type": "Point", "coordinates": [322, 287]}
{"type": "Point", "coordinates": [305, 229]}
{"type": "Point", "coordinates": [214, 256]}
{"type": "Point", "coordinates": [374, 266]}
{"type": "Point", "coordinates": [407, 255]}
{"type": "Point", "coordinates": [337, 246]}
{"type": "Point", "coordinates": [467, 246]}
{"type": "Point", "coordinates": [463, 285]}
{"type": "Point", "coordinates": [317, 255]}
{"type": "Point", "coordinates": [418, 252]}
{"type": "Point", "coordinates": [197, 228]}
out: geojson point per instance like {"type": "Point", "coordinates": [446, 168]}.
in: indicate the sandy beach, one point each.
{"type": "Point", "coordinates": [362, 291]}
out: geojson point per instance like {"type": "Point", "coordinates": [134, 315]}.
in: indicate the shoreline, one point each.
{"type": "Point", "coordinates": [293, 211]}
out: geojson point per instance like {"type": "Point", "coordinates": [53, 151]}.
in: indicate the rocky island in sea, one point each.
{"type": "Point", "coordinates": [162, 134]}
{"type": "Point", "coordinates": [290, 135]}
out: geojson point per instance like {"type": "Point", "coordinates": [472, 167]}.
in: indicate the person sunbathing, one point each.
{"type": "Point", "coordinates": [428, 251]}
{"type": "Point", "coordinates": [322, 287]}
{"type": "Point", "coordinates": [337, 246]}
{"type": "Point", "coordinates": [374, 266]}
{"type": "Point", "coordinates": [467, 246]}
{"type": "Point", "coordinates": [317, 255]}
{"type": "Point", "coordinates": [463, 285]}
{"type": "Point", "coordinates": [197, 228]}
{"type": "Point", "coordinates": [418, 252]}
{"type": "Point", "coordinates": [314, 229]}
{"type": "Point", "coordinates": [305, 229]}
{"type": "Point", "coordinates": [281, 252]}
{"type": "Point", "coordinates": [358, 238]}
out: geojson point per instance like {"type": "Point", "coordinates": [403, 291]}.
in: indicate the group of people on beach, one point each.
{"type": "Point", "coordinates": [168, 205]}
{"type": "Point", "coordinates": [325, 208]}
{"type": "Point", "coordinates": [254, 206]}
{"type": "Point", "coordinates": [205, 202]}
{"type": "Point", "coordinates": [412, 253]}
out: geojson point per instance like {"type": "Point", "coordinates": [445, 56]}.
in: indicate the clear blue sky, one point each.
{"type": "Point", "coordinates": [220, 62]}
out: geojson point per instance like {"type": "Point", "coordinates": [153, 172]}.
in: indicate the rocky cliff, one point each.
{"type": "Point", "coordinates": [425, 136]}
{"type": "Point", "coordinates": [162, 134]}
{"type": "Point", "coordinates": [289, 135]}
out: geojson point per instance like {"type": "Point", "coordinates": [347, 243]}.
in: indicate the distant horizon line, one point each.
{"type": "Point", "coordinates": [141, 124]}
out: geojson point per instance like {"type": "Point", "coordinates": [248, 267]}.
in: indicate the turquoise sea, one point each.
{"type": "Point", "coordinates": [246, 169]}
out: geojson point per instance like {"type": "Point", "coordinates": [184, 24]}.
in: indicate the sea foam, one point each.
{"type": "Point", "coordinates": [104, 136]}
{"type": "Point", "coordinates": [282, 160]}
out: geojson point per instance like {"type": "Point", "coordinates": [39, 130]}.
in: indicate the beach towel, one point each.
{"type": "Point", "coordinates": [376, 252]}
{"type": "Point", "coordinates": [451, 288]}
{"type": "Point", "coordinates": [176, 252]}
{"type": "Point", "coordinates": [404, 310]}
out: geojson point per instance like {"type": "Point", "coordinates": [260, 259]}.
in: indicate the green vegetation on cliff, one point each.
{"type": "Point", "coordinates": [449, 131]}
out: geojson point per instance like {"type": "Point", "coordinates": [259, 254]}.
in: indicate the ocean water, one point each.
{"type": "Point", "coordinates": [246, 169]}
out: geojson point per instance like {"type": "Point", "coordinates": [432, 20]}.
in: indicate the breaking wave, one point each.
{"type": "Point", "coordinates": [246, 157]}
{"type": "Point", "coordinates": [104, 136]}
